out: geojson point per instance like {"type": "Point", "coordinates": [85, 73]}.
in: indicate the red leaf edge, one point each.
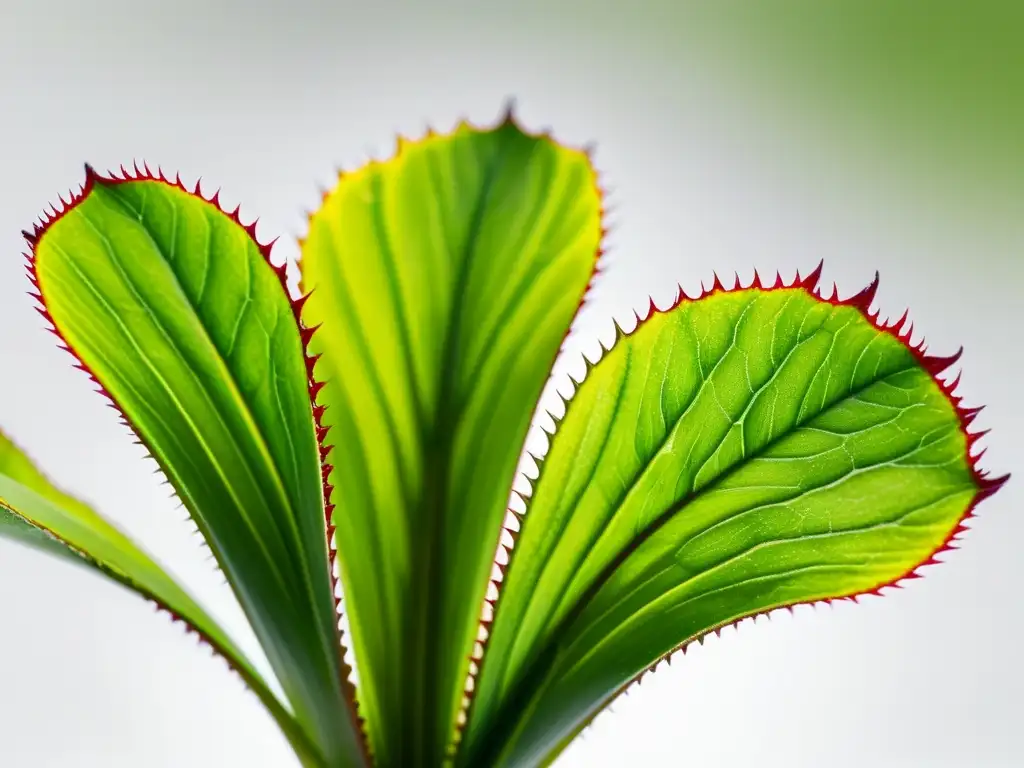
{"type": "Point", "coordinates": [900, 330]}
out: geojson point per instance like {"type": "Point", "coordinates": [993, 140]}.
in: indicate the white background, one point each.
{"type": "Point", "coordinates": [706, 174]}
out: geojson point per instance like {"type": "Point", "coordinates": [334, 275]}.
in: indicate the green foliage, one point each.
{"type": "Point", "coordinates": [432, 274]}
{"type": "Point", "coordinates": [36, 513]}
{"type": "Point", "coordinates": [746, 451]}
{"type": "Point", "coordinates": [741, 451]}
{"type": "Point", "coordinates": [172, 306]}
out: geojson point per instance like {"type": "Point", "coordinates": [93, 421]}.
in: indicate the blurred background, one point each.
{"type": "Point", "coordinates": [730, 136]}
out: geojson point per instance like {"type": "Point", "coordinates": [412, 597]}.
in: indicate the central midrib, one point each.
{"type": "Point", "coordinates": [425, 660]}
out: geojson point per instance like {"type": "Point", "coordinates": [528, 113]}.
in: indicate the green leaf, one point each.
{"type": "Point", "coordinates": [445, 280]}
{"type": "Point", "coordinates": [753, 449]}
{"type": "Point", "coordinates": [35, 513]}
{"type": "Point", "coordinates": [172, 305]}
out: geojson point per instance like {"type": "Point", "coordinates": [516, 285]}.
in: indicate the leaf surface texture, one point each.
{"type": "Point", "coordinates": [445, 280]}
{"type": "Point", "coordinates": [745, 451]}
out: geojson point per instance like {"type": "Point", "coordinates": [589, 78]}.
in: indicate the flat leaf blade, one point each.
{"type": "Point", "coordinates": [36, 513]}
{"type": "Point", "coordinates": [445, 280]}
{"type": "Point", "coordinates": [749, 450]}
{"type": "Point", "coordinates": [172, 306]}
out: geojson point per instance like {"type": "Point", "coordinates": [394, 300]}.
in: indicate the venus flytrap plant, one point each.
{"type": "Point", "coordinates": [747, 449]}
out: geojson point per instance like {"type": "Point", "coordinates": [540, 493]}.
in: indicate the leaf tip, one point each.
{"type": "Point", "coordinates": [935, 364]}
{"type": "Point", "coordinates": [508, 112]}
{"type": "Point", "coordinates": [810, 282]}
{"type": "Point", "coordinates": [866, 297]}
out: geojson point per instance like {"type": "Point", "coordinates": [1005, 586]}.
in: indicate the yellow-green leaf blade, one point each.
{"type": "Point", "coordinates": [445, 280]}
{"type": "Point", "coordinates": [172, 306]}
{"type": "Point", "coordinates": [749, 450]}
{"type": "Point", "coordinates": [36, 513]}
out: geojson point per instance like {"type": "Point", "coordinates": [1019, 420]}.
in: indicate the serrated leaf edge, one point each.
{"type": "Point", "coordinates": [862, 301]}
{"type": "Point", "coordinates": [50, 217]}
